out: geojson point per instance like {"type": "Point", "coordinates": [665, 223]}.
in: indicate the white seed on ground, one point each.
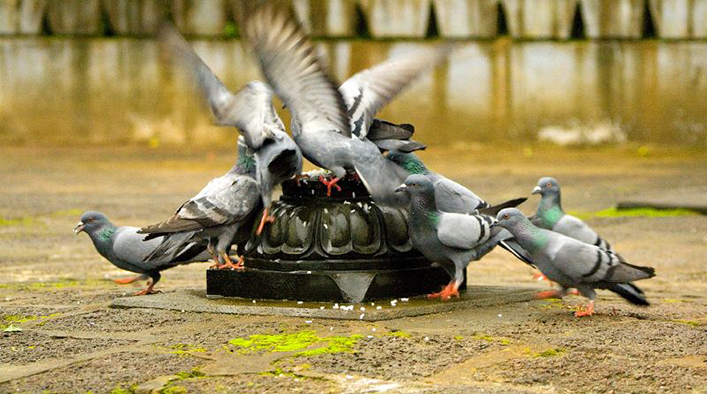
{"type": "Point", "coordinates": [363, 309]}
{"type": "Point", "coordinates": [404, 299]}
{"type": "Point", "coordinates": [299, 302]}
{"type": "Point", "coordinates": [370, 336]}
{"type": "Point", "coordinates": [427, 339]}
{"type": "Point", "coordinates": [373, 329]}
{"type": "Point", "coordinates": [308, 321]}
{"type": "Point", "coordinates": [321, 307]}
{"type": "Point", "coordinates": [309, 272]}
{"type": "Point", "coordinates": [254, 301]}
{"type": "Point", "coordinates": [379, 307]}
{"type": "Point", "coordinates": [361, 317]}
{"type": "Point", "coordinates": [499, 315]}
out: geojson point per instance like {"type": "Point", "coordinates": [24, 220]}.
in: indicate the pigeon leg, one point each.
{"type": "Point", "coordinates": [125, 281]}
{"type": "Point", "coordinates": [544, 295]}
{"type": "Point", "coordinates": [150, 286]}
{"type": "Point", "coordinates": [265, 219]}
{"type": "Point", "coordinates": [588, 311]}
{"type": "Point", "coordinates": [537, 275]}
{"type": "Point", "coordinates": [450, 291]}
{"type": "Point", "coordinates": [330, 184]}
{"type": "Point", "coordinates": [239, 265]}
{"type": "Point", "coordinates": [229, 263]}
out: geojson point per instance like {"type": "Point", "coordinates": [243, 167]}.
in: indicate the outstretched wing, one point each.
{"type": "Point", "coordinates": [291, 66]}
{"type": "Point", "coordinates": [369, 90]}
{"type": "Point", "coordinates": [224, 200]}
{"type": "Point", "coordinates": [250, 109]}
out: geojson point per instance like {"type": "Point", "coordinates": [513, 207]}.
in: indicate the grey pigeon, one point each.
{"type": "Point", "coordinates": [221, 214]}
{"type": "Point", "coordinates": [330, 124]}
{"type": "Point", "coordinates": [125, 248]}
{"type": "Point", "coordinates": [393, 137]}
{"type": "Point", "coordinates": [550, 216]}
{"type": "Point", "coordinates": [250, 110]}
{"type": "Point", "coordinates": [449, 239]}
{"type": "Point", "coordinates": [450, 196]}
{"type": "Point", "coordinates": [575, 264]}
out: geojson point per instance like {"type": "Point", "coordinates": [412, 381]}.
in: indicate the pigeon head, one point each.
{"type": "Point", "coordinates": [408, 161]}
{"type": "Point", "coordinates": [91, 222]}
{"type": "Point", "coordinates": [417, 184]}
{"type": "Point", "coordinates": [547, 186]}
{"type": "Point", "coordinates": [509, 218]}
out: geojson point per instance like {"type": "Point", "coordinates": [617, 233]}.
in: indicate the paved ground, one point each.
{"type": "Point", "coordinates": [56, 289]}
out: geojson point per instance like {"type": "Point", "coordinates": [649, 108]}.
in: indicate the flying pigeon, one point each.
{"type": "Point", "coordinates": [125, 248]}
{"type": "Point", "coordinates": [250, 110]}
{"type": "Point", "coordinates": [330, 124]}
{"type": "Point", "coordinates": [575, 264]}
{"type": "Point", "coordinates": [221, 214]}
{"type": "Point", "coordinates": [449, 239]}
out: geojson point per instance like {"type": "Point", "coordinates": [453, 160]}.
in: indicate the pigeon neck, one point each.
{"type": "Point", "coordinates": [550, 210]}
{"type": "Point", "coordinates": [102, 238]}
{"type": "Point", "coordinates": [415, 166]}
{"type": "Point", "coordinates": [530, 237]}
{"type": "Point", "coordinates": [245, 165]}
{"type": "Point", "coordinates": [424, 209]}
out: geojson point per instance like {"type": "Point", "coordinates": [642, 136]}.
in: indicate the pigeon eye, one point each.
{"type": "Point", "coordinates": [505, 216]}
{"type": "Point", "coordinates": [549, 184]}
{"type": "Point", "coordinates": [90, 219]}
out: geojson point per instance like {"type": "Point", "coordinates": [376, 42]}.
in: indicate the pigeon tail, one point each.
{"type": "Point", "coordinates": [494, 210]}
{"type": "Point", "coordinates": [630, 292]}
{"type": "Point", "coordinates": [512, 246]}
{"type": "Point", "coordinates": [169, 248]}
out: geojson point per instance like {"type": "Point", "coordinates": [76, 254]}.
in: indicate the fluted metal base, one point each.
{"type": "Point", "coordinates": [335, 286]}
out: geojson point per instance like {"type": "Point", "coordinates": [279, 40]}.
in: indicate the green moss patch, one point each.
{"type": "Point", "coordinates": [293, 342]}
{"type": "Point", "coordinates": [488, 338]}
{"type": "Point", "coordinates": [553, 352]}
{"type": "Point", "coordinates": [633, 212]}
{"type": "Point", "coordinates": [11, 320]}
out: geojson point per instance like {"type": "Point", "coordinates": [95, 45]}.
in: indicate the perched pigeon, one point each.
{"type": "Point", "coordinates": [221, 214]}
{"type": "Point", "coordinates": [450, 196]}
{"type": "Point", "coordinates": [393, 137]}
{"type": "Point", "coordinates": [125, 248]}
{"type": "Point", "coordinates": [449, 239]}
{"type": "Point", "coordinates": [330, 124]}
{"type": "Point", "coordinates": [277, 156]}
{"type": "Point", "coordinates": [575, 264]}
{"type": "Point", "coordinates": [550, 216]}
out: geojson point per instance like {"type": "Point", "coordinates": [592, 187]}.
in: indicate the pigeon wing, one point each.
{"type": "Point", "coordinates": [369, 90]}
{"type": "Point", "coordinates": [250, 109]}
{"type": "Point", "coordinates": [291, 66]}
{"type": "Point", "coordinates": [224, 200]}
{"type": "Point", "coordinates": [455, 197]}
{"type": "Point", "coordinates": [462, 231]}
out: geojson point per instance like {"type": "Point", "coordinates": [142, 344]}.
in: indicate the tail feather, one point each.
{"type": "Point", "coordinates": [516, 250]}
{"type": "Point", "coordinates": [630, 292]}
{"type": "Point", "coordinates": [494, 210]}
{"type": "Point", "coordinates": [171, 246]}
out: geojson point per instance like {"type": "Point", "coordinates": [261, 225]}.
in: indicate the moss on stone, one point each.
{"type": "Point", "coordinates": [553, 352]}
{"type": "Point", "coordinates": [295, 341]}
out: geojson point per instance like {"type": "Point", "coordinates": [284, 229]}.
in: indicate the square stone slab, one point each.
{"type": "Point", "coordinates": [194, 300]}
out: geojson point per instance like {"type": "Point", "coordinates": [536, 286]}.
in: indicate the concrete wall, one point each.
{"type": "Point", "coordinates": [524, 19]}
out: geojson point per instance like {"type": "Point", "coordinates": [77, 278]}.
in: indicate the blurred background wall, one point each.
{"type": "Point", "coordinates": [568, 71]}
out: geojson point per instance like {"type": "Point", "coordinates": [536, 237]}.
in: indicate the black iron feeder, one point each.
{"type": "Point", "coordinates": [343, 248]}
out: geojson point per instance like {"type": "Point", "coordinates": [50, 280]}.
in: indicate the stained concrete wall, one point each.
{"type": "Point", "coordinates": [524, 19]}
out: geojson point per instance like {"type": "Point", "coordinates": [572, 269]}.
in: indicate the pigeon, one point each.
{"type": "Point", "coordinates": [449, 239]}
{"type": "Point", "coordinates": [330, 124]}
{"type": "Point", "coordinates": [125, 248]}
{"type": "Point", "coordinates": [221, 214]}
{"type": "Point", "coordinates": [575, 264]}
{"type": "Point", "coordinates": [550, 216]}
{"type": "Point", "coordinates": [450, 196]}
{"type": "Point", "coordinates": [250, 110]}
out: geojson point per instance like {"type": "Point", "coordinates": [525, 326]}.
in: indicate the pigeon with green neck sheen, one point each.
{"type": "Point", "coordinates": [125, 248]}
{"type": "Point", "coordinates": [451, 240]}
{"type": "Point", "coordinates": [220, 215]}
{"type": "Point", "coordinates": [277, 156]}
{"type": "Point", "coordinates": [574, 264]}
{"type": "Point", "coordinates": [330, 122]}
{"type": "Point", "coordinates": [550, 216]}
{"type": "Point", "coordinates": [450, 196]}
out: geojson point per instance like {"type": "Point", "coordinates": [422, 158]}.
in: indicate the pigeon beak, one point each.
{"type": "Point", "coordinates": [401, 188]}
{"type": "Point", "coordinates": [79, 227]}
{"type": "Point", "coordinates": [536, 190]}
{"type": "Point", "coordinates": [494, 224]}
